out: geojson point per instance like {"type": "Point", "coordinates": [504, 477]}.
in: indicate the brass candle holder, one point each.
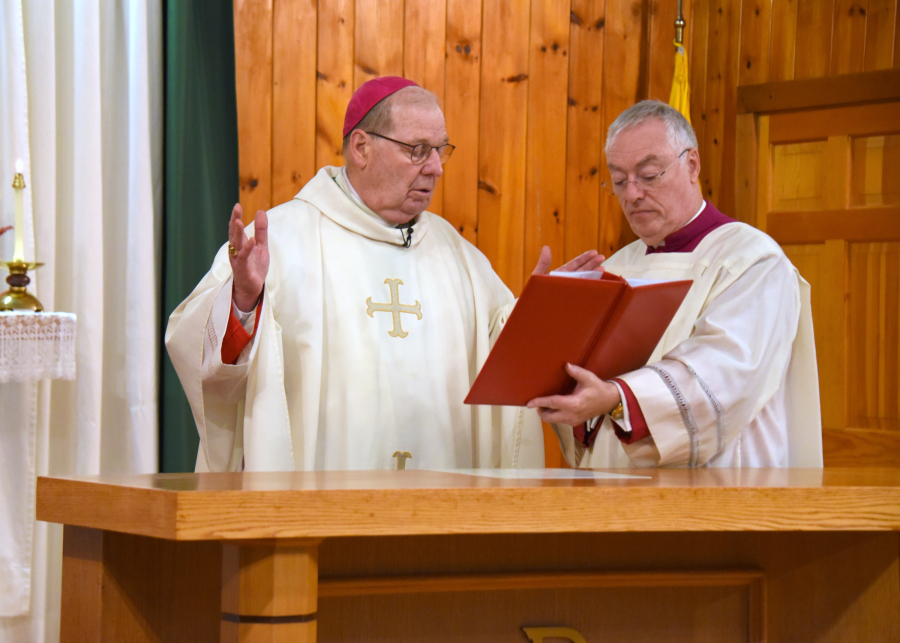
{"type": "Point", "coordinates": [17, 297]}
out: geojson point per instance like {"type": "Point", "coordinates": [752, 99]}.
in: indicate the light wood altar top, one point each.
{"type": "Point", "coordinates": [235, 506]}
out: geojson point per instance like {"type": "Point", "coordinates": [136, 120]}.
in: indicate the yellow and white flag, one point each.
{"type": "Point", "coordinates": [680, 97]}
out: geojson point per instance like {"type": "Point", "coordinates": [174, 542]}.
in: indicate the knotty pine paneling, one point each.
{"type": "Point", "coordinates": [550, 121]}
{"type": "Point", "coordinates": [462, 100]}
{"type": "Point", "coordinates": [253, 34]}
{"type": "Point", "coordinates": [545, 192]}
{"type": "Point", "coordinates": [334, 77]}
{"type": "Point", "coordinates": [502, 147]}
{"type": "Point", "coordinates": [293, 89]}
{"type": "Point", "coordinates": [762, 41]}
{"type": "Point", "coordinates": [528, 88]}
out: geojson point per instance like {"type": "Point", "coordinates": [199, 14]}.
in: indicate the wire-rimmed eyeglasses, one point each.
{"type": "Point", "coordinates": [420, 152]}
{"type": "Point", "coordinates": [645, 182]}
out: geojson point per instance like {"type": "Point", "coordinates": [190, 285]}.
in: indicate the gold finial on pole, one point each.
{"type": "Point", "coordinates": [679, 25]}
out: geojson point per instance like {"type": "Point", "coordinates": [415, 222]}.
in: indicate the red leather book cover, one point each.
{"type": "Point", "coordinates": [604, 325]}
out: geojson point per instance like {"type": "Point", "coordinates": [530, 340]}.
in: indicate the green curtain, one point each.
{"type": "Point", "coordinates": [201, 182]}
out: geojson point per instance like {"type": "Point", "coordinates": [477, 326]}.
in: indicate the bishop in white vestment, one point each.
{"type": "Point", "coordinates": [733, 381]}
{"type": "Point", "coordinates": [373, 321]}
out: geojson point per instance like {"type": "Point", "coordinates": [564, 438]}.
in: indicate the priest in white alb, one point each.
{"type": "Point", "coordinates": [733, 381]}
{"type": "Point", "coordinates": [348, 325]}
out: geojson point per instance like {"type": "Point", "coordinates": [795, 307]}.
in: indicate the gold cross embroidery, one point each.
{"type": "Point", "coordinates": [395, 308]}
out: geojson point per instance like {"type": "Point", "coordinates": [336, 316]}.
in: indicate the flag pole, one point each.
{"type": "Point", "coordinates": [679, 25]}
{"type": "Point", "coordinates": [680, 95]}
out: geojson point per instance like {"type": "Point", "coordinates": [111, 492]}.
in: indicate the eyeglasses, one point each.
{"type": "Point", "coordinates": [419, 153]}
{"type": "Point", "coordinates": [644, 182]}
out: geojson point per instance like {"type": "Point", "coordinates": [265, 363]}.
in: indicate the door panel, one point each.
{"type": "Point", "coordinates": [829, 193]}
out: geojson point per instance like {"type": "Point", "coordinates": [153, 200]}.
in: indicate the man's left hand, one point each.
{"type": "Point", "coordinates": [589, 260]}
{"type": "Point", "coordinates": [591, 397]}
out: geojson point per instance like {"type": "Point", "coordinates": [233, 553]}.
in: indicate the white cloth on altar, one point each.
{"type": "Point", "coordinates": [733, 382]}
{"type": "Point", "coordinates": [33, 346]}
{"type": "Point", "coordinates": [325, 385]}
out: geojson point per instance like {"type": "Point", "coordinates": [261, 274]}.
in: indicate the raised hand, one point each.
{"type": "Point", "coordinates": [589, 260]}
{"type": "Point", "coordinates": [249, 258]}
{"type": "Point", "coordinates": [591, 397]}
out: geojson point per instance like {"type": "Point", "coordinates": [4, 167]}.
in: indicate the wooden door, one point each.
{"type": "Point", "coordinates": [829, 192]}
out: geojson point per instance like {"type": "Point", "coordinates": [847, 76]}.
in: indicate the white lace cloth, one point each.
{"type": "Point", "coordinates": [36, 346]}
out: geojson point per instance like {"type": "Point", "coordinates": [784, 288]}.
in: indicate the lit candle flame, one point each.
{"type": "Point", "coordinates": [19, 166]}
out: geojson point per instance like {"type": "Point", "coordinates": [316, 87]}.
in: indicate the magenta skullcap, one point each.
{"type": "Point", "coordinates": [369, 95]}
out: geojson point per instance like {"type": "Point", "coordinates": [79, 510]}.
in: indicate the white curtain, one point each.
{"type": "Point", "coordinates": [81, 105]}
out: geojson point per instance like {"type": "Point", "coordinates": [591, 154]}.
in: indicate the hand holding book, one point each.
{"type": "Point", "coordinates": [591, 397]}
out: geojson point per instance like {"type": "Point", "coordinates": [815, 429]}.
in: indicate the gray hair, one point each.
{"type": "Point", "coordinates": [681, 134]}
{"type": "Point", "coordinates": [380, 119]}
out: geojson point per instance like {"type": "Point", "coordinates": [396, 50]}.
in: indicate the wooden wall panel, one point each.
{"type": "Point", "coordinates": [619, 51]}
{"type": "Point", "coordinates": [462, 103]}
{"type": "Point", "coordinates": [584, 133]}
{"type": "Point", "coordinates": [377, 55]}
{"type": "Point", "coordinates": [661, 48]}
{"type": "Point", "coordinates": [812, 55]}
{"type": "Point", "coordinates": [294, 92]}
{"type": "Point", "coordinates": [784, 37]}
{"type": "Point", "coordinates": [548, 82]}
{"type": "Point", "coordinates": [848, 48]}
{"type": "Point", "coordinates": [697, 53]}
{"type": "Point", "coordinates": [880, 16]}
{"type": "Point", "coordinates": [502, 150]}
{"type": "Point", "coordinates": [756, 19]}
{"type": "Point", "coordinates": [874, 360]}
{"type": "Point", "coordinates": [253, 27]}
{"type": "Point", "coordinates": [896, 64]}
{"type": "Point", "coordinates": [720, 108]}
{"type": "Point", "coordinates": [334, 78]}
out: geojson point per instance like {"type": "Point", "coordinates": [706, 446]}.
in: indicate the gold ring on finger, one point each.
{"type": "Point", "coordinates": [232, 250]}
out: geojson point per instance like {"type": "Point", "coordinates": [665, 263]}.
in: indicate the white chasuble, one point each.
{"type": "Point", "coordinates": [364, 348]}
{"type": "Point", "coordinates": [733, 381]}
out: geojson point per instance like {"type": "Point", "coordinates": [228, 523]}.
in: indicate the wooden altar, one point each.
{"type": "Point", "coordinates": [675, 555]}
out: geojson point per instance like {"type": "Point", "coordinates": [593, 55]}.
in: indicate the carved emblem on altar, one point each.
{"type": "Point", "coordinates": [402, 457]}
{"type": "Point", "coordinates": [394, 307]}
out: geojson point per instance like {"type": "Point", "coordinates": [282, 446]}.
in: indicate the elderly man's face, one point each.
{"type": "Point", "coordinates": [398, 189]}
{"type": "Point", "coordinates": [644, 151]}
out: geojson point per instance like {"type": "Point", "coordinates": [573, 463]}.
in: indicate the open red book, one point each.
{"type": "Point", "coordinates": [600, 322]}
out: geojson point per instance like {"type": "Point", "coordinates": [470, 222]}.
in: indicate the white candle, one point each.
{"type": "Point", "coordinates": [19, 185]}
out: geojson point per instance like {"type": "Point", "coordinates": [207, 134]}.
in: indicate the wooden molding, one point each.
{"type": "Point", "coordinates": [331, 587]}
{"type": "Point", "coordinates": [855, 120]}
{"type": "Point", "coordinates": [847, 89]}
{"type": "Point", "coordinates": [854, 224]}
{"type": "Point", "coordinates": [325, 504]}
{"type": "Point", "coordinates": [861, 448]}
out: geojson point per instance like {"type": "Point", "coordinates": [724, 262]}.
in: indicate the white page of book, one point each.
{"type": "Point", "coordinates": [539, 474]}
{"type": "Point", "coordinates": [583, 274]}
